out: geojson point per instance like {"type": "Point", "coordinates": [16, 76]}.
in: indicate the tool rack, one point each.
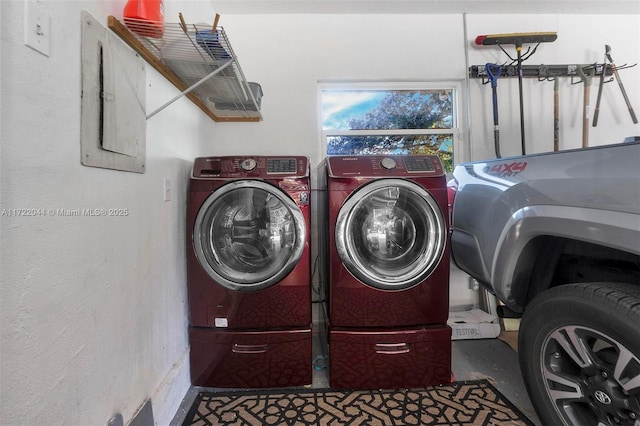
{"type": "Point", "coordinates": [543, 72]}
{"type": "Point", "coordinates": [199, 61]}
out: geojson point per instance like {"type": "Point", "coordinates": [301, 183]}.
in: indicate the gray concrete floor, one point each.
{"type": "Point", "coordinates": [490, 359]}
{"type": "Point", "coordinates": [496, 361]}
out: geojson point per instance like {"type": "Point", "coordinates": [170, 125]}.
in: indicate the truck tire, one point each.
{"type": "Point", "coordinates": [579, 350]}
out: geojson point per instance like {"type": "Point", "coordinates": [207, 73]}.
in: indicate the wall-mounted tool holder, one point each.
{"type": "Point", "coordinates": [543, 72]}
{"type": "Point", "coordinates": [199, 61]}
{"type": "Point", "coordinates": [578, 73]}
{"type": "Point", "coordinates": [518, 40]}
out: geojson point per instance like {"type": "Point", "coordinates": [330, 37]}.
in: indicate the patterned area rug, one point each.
{"type": "Point", "coordinates": [459, 403]}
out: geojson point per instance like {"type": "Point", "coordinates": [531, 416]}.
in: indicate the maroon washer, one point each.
{"type": "Point", "coordinates": [389, 272]}
{"type": "Point", "coordinates": [249, 271]}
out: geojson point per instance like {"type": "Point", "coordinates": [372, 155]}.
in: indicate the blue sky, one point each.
{"type": "Point", "coordinates": [339, 107]}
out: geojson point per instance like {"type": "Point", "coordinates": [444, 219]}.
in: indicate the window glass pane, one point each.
{"type": "Point", "coordinates": [386, 109]}
{"type": "Point", "coordinates": [441, 145]}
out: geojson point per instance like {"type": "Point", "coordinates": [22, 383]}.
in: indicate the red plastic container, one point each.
{"type": "Point", "coordinates": [145, 17]}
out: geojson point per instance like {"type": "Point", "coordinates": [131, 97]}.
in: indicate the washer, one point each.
{"type": "Point", "coordinates": [249, 271]}
{"type": "Point", "coordinates": [389, 272]}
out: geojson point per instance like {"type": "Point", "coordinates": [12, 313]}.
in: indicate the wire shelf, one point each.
{"type": "Point", "coordinates": [200, 61]}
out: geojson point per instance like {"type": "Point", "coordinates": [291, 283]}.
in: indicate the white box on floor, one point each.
{"type": "Point", "coordinates": [473, 324]}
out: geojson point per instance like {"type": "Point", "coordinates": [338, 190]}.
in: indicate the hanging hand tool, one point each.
{"type": "Point", "coordinates": [545, 75]}
{"type": "Point", "coordinates": [596, 113]}
{"type": "Point", "coordinates": [493, 72]}
{"type": "Point", "coordinates": [624, 92]}
{"type": "Point", "coordinates": [586, 79]}
{"type": "Point", "coordinates": [517, 39]}
{"type": "Point", "coordinates": [556, 114]}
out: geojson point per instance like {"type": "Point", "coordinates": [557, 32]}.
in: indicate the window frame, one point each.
{"type": "Point", "coordinates": [456, 87]}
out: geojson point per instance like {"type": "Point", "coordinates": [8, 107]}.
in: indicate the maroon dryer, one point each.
{"type": "Point", "coordinates": [249, 272]}
{"type": "Point", "coordinates": [389, 272]}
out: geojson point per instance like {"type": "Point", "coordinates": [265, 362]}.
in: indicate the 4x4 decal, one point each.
{"type": "Point", "coordinates": [507, 169]}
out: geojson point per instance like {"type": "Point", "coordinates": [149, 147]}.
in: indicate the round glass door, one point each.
{"type": "Point", "coordinates": [390, 234]}
{"type": "Point", "coordinates": [248, 235]}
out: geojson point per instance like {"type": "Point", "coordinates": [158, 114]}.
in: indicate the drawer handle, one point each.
{"type": "Point", "coordinates": [392, 348]}
{"type": "Point", "coordinates": [249, 349]}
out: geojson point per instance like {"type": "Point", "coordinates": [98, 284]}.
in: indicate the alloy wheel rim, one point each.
{"type": "Point", "coordinates": [590, 377]}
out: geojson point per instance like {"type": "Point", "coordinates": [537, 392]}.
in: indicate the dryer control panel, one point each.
{"type": "Point", "coordinates": [385, 165]}
{"type": "Point", "coordinates": [254, 167]}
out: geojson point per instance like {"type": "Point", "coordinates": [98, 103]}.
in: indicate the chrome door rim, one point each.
{"type": "Point", "coordinates": [422, 268]}
{"type": "Point", "coordinates": [251, 282]}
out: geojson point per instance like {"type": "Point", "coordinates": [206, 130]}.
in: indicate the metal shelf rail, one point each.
{"type": "Point", "coordinates": [199, 61]}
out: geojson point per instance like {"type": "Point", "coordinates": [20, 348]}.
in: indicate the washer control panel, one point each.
{"type": "Point", "coordinates": [252, 167]}
{"type": "Point", "coordinates": [388, 165]}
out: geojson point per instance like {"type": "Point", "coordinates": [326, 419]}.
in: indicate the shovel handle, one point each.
{"type": "Point", "coordinates": [493, 72]}
{"type": "Point", "coordinates": [586, 79]}
{"type": "Point", "coordinates": [556, 114]}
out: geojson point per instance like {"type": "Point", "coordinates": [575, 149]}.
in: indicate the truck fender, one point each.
{"type": "Point", "coordinates": [588, 225]}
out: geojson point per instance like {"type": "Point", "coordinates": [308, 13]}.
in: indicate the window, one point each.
{"type": "Point", "coordinates": [417, 119]}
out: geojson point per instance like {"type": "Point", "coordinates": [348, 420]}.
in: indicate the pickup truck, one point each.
{"type": "Point", "coordinates": [556, 237]}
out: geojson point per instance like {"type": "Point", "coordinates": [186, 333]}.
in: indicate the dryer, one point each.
{"type": "Point", "coordinates": [389, 272]}
{"type": "Point", "coordinates": [249, 271]}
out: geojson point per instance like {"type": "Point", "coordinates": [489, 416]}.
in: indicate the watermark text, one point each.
{"type": "Point", "coordinates": [62, 212]}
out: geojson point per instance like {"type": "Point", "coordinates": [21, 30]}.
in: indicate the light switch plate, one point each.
{"type": "Point", "coordinates": [37, 28]}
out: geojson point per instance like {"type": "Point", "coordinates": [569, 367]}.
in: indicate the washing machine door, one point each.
{"type": "Point", "coordinates": [390, 234]}
{"type": "Point", "coordinates": [248, 235]}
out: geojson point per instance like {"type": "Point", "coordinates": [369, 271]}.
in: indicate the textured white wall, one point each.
{"type": "Point", "coordinates": [94, 311]}
{"type": "Point", "coordinates": [289, 54]}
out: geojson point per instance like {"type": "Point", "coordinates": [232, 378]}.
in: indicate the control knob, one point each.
{"type": "Point", "coordinates": [248, 164]}
{"type": "Point", "coordinates": [388, 163]}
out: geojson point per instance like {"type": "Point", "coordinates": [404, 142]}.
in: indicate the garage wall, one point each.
{"type": "Point", "coordinates": [289, 54]}
{"type": "Point", "coordinates": [93, 309]}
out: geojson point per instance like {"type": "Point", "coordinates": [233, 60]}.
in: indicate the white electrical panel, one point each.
{"type": "Point", "coordinates": [113, 101]}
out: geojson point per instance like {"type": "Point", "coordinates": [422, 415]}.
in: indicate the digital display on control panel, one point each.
{"type": "Point", "coordinates": [419, 164]}
{"type": "Point", "coordinates": [281, 166]}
